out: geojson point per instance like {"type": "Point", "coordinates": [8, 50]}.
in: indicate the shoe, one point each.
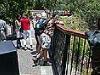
{"type": "Point", "coordinates": [34, 53]}
{"type": "Point", "coordinates": [18, 47]}
{"type": "Point", "coordinates": [46, 63]}
{"type": "Point", "coordinates": [34, 65]}
{"type": "Point", "coordinates": [31, 48]}
{"type": "Point", "coordinates": [34, 58]}
{"type": "Point", "coordinates": [25, 48]}
{"type": "Point", "coordinates": [38, 55]}
{"type": "Point", "coordinates": [36, 61]}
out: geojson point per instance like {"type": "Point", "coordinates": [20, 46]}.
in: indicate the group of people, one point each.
{"type": "Point", "coordinates": [23, 30]}
{"type": "Point", "coordinates": [43, 36]}
{"type": "Point", "coordinates": [43, 27]}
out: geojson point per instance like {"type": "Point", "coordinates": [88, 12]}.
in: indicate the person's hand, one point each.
{"type": "Point", "coordinates": [59, 22]}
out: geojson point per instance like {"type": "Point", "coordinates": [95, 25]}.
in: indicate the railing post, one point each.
{"type": "Point", "coordinates": [59, 48]}
{"type": "Point", "coordinates": [65, 54]}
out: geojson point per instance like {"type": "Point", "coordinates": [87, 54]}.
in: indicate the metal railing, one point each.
{"type": "Point", "coordinates": [70, 52]}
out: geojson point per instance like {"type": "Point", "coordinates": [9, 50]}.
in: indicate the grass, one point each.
{"type": "Point", "coordinates": [74, 22]}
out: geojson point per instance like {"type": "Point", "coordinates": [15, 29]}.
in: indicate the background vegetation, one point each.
{"type": "Point", "coordinates": [88, 10]}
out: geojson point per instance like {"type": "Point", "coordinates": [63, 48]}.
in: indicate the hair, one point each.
{"type": "Point", "coordinates": [18, 16]}
{"type": "Point", "coordinates": [24, 14]}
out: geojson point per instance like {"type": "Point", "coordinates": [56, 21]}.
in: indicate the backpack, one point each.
{"type": "Point", "coordinates": [40, 24]}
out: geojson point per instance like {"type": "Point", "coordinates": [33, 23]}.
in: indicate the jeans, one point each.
{"type": "Point", "coordinates": [27, 38]}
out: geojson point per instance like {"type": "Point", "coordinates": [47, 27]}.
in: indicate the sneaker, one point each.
{"type": "Point", "coordinates": [31, 48]}
{"type": "Point", "coordinates": [34, 58]}
{"type": "Point", "coordinates": [34, 65]}
{"type": "Point", "coordinates": [36, 61]}
{"type": "Point", "coordinates": [34, 52]}
{"type": "Point", "coordinates": [46, 63]}
{"type": "Point", "coordinates": [25, 48]}
{"type": "Point", "coordinates": [37, 55]}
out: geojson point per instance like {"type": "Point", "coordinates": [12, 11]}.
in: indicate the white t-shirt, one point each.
{"type": "Point", "coordinates": [2, 24]}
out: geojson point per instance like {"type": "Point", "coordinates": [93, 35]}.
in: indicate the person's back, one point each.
{"type": "Point", "coordinates": [25, 23]}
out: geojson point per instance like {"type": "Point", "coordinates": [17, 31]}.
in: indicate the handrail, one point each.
{"type": "Point", "coordinates": [71, 54]}
{"type": "Point", "coordinates": [71, 31]}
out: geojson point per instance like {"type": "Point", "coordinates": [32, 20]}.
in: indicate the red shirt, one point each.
{"type": "Point", "coordinates": [25, 23]}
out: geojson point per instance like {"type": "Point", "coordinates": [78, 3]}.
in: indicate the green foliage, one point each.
{"type": "Point", "coordinates": [13, 7]}
{"type": "Point", "coordinates": [74, 22]}
{"type": "Point", "coordinates": [89, 10]}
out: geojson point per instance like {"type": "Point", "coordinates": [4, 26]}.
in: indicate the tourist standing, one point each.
{"type": "Point", "coordinates": [25, 26]}
{"type": "Point", "coordinates": [17, 29]}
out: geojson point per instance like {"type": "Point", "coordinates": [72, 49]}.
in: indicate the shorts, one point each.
{"type": "Point", "coordinates": [45, 41]}
{"type": "Point", "coordinates": [18, 33]}
{"type": "Point", "coordinates": [26, 34]}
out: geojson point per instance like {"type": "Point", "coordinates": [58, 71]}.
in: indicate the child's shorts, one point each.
{"type": "Point", "coordinates": [45, 41]}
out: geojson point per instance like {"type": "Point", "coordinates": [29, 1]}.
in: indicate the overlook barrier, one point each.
{"type": "Point", "coordinates": [70, 52]}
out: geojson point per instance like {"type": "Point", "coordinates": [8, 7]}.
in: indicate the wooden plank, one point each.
{"type": "Point", "coordinates": [71, 31]}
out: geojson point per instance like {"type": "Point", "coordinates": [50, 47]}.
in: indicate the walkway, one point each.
{"type": "Point", "coordinates": [25, 63]}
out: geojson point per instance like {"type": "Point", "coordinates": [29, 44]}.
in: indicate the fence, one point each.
{"type": "Point", "coordinates": [70, 52]}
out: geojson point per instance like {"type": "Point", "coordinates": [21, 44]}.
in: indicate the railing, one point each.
{"type": "Point", "coordinates": [70, 52]}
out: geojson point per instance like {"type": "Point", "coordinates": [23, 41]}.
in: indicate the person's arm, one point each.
{"type": "Point", "coordinates": [46, 22]}
{"type": "Point", "coordinates": [18, 23]}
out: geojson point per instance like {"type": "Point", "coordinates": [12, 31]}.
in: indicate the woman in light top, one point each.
{"type": "Point", "coordinates": [18, 30]}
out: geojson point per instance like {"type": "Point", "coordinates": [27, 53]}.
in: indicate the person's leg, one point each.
{"type": "Point", "coordinates": [46, 62]}
{"type": "Point", "coordinates": [30, 40]}
{"type": "Point", "coordinates": [18, 39]}
{"type": "Point", "coordinates": [38, 46]}
{"type": "Point", "coordinates": [18, 43]}
{"type": "Point", "coordinates": [24, 39]}
{"type": "Point", "coordinates": [45, 55]}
